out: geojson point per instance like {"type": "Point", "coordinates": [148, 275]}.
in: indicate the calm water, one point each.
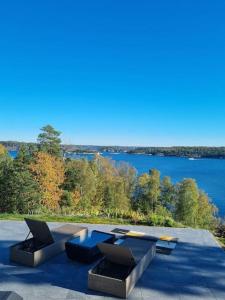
{"type": "Point", "coordinates": [209, 173]}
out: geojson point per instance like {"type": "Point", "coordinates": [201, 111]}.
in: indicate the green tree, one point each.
{"type": "Point", "coordinates": [206, 212]}
{"type": "Point", "coordinates": [154, 189]}
{"type": "Point", "coordinates": [129, 177]}
{"type": "Point", "coordinates": [79, 177]}
{"type": "Point", "coordinates": [168, 194]}
{"type": "Point", "coordinates": [25, 156]}
{"type": "Point", "coordinates": [66, 199]}
{"type": "Point", "coordinates": [50, 141]}
{"type": "Point", "coordinates": [147, 195]}
{"type": "Point", "coordinates": [114, 183]}
{"type": "Point", "coordinates": [7, 201]}
{"type": "Point", "coordinates": [115, 197]}
{"type": "Point", "coordinates": [18, 190]}
{"type": "Point", "coordinates": [187, 202]}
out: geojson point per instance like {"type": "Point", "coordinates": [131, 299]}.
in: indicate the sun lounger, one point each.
{"type": "Point", "coordinates": [121, 266]}
{"type": "Point", "coordinates": [86, 250]}
{"type": "Point", "coordinates": [44, 244]}
{"type": "Point", "coordinates": [164, 244]}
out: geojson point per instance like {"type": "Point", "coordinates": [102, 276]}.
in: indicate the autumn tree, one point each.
{"type": "Point", "coordinates": [50, 141]}
{"type": "Point", "coordinates": [48, 172]}
{"type": "Point", "coordinates": [3, 151]}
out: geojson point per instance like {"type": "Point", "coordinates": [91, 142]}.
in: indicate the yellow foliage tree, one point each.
{"type": "Point", "coordinates": [76, 197]}
{"type": "Point", "coordinates": [3, 150]}
{"type": "Point", "coordinates": [49, 172]}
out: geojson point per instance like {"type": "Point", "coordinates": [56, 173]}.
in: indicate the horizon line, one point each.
{"type": "Point", "coordinates": [124, 146]}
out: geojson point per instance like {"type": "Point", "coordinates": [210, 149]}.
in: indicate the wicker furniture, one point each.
{"type": "Point", "coordinates": [44, 244]}
{"type": "Point", "coordinates": [164, 244]}
{"type": "Point", "coordinates": [121, 267]}
{"type": "Point", "coordinates": [86, 250]}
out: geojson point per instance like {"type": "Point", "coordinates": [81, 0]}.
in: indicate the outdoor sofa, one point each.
{"type": "Point", "coordinates": [45, 243]}
{"type": "Point", "coordinates": [86, 250]}
{"type": "Point", "coordinates": [121, 266]}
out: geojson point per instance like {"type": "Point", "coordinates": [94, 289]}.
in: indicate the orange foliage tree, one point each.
{"type": "Point", "coordinates": [49, 172]}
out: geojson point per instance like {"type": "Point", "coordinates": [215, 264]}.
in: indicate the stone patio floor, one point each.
{"type": "Point", "coordinates": [194, 270]}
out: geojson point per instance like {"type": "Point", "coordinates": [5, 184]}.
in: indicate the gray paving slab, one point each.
{"type": "Point", "coordinates": [194, 270]}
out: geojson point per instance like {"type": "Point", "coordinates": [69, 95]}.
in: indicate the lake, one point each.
{"type": "Point", "coordinates": [209, 173]}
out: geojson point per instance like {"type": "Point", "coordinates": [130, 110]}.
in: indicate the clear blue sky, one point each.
{"type": "Point", "coordinates": [117, 72]}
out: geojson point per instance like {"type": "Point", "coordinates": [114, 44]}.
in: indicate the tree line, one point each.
{"type": "Point", "coordinates": [195, 152]}
{"type": "Point", "coordinates": [40, 180]}
{"type": "Point", "coordinates": [178, 151]}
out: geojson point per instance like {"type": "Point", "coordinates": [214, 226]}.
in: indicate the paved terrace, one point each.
{"type": "Point", "coordinates": [195, 270]}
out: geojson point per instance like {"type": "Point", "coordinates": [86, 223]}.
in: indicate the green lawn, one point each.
{"type": "Point", "coordinates": [71, 219]}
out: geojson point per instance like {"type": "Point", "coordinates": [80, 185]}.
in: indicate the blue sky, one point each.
{"type": "Point", "coordinates": [118, 72]}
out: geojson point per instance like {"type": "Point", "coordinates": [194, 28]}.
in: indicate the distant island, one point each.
{"type": "Point", "coordinates": [177, 151]}
{"type": "Point", "coordinates": [189, 152]}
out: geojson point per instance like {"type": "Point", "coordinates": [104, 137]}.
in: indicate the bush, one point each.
{"type": "Point", "coordinates": [155, 220]}
{"type": "Point", "coordinates": [158, 220]}
{"type": "Point", "coordinates": [220, 230]}
{"type": "Point", "coordinates": [169, 222]}
{"type": "Point", "coordinates": [136, 217]}
{"type": "Point", "coordinates": [66, 199]}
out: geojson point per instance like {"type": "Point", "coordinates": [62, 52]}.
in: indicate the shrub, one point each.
{"type": "Point", "coordinates": [66, 199]}
{"type": "Point", "coordinates": [154, 219]}
{"type": "Point", "coordinates": [169, 222]}
{"type": "Point", "coordinates": [220, 230]}
{"type": "Point", "coordinates": [136, 217]}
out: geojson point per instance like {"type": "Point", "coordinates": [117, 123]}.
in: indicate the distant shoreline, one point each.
{"type": "Point", "coordinates": [194, 152]}
{"type": "Point", "coordinates": [182, 156]}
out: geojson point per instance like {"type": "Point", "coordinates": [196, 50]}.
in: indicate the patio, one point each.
{"type": "Point", "coordinates": [194, 270]}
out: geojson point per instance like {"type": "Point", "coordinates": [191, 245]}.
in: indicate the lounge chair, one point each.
{"type": "Point", "coordinates": [164, 244]}
{"type": "Point", "coordinates": [44, 244]}
{"type": "Point", "coordinates": [121, 267]}
{"type": "Point", "coordinates": [86, 250]}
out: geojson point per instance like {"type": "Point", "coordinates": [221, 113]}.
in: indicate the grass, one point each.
{"type": "Point", "coordinates": [71, 219]}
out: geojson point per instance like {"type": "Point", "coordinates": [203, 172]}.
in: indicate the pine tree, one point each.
{"type": "Point", "coordinates": [50, 141]}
